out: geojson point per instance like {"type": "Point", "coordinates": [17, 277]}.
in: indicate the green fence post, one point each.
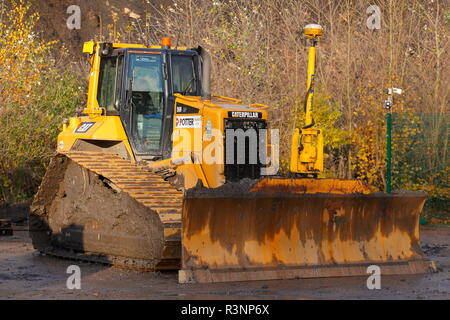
{"type": "Point", "coordinates": [388, 151]}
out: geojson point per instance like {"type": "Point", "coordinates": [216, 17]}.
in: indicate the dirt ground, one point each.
{"type": "Point", "coordinates": [25, 274]}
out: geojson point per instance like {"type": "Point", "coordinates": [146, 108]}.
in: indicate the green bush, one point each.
{"type": "Point", "coordinates": [28, 133]}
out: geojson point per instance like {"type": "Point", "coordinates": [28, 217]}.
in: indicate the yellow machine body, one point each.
{"type": "Point", "coordinates": [202, 156]}
{"type": "Point", "coordinates": [202, 153]}
{"type": "Point", "coordinates": [106, 202]}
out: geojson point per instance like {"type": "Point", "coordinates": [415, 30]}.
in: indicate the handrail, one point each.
{"type": "Point", "coordinates": [259, 105]}
{"type": "Point", "coordinates": [227, 98]}
{"type": "Point", "coordinates": [210, 104]}
{"type": "Point", "coordinates": [185, 98]}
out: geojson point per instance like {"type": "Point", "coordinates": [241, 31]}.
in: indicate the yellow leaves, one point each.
{"type": "Point", "coordinates": [368, 157]}
{"type": "Point", "coordinates": [115, 17]}
{"type": "Point", "coordinates": [327, 114]}
{"type": "Point", "coordinates": [22, 54]}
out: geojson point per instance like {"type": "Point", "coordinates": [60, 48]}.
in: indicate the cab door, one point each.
{"type": "Point", "coordinates": [145, 101]}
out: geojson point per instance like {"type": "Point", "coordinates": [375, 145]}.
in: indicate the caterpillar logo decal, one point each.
{"type": "Point", "coordinates": [245, 114]}
{"type": "Point", "coordinates": [188, 122]}
{"type": "Point", "coordinates": [84, 127]}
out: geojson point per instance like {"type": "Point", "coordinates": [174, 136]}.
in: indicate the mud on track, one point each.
{"type": "Point", "coordinates": [24, 274]}
{"type": "Point", "coordinates": [87, 203]}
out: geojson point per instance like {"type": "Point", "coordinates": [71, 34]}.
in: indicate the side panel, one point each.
{"type": "Point", "coordinates": [100, 128]}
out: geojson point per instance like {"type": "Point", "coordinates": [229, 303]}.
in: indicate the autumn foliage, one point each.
{"type": "Point", "coordinates": [35, 96]}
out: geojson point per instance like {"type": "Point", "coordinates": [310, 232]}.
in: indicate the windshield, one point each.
{"type": "Point", "coordinates": [147, 98]}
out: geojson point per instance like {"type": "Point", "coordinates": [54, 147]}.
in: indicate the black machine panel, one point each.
{"type": "Point", "coordinates": [245, 148]}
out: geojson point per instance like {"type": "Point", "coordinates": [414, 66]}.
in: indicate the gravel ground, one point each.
{"type": "Point", "coordinates": [25, 274]}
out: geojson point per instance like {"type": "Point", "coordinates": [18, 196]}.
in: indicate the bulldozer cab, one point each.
{"type": "Point", "coordinates": [139, 85]}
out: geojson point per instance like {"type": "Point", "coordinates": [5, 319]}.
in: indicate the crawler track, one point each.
{"type": "Point", "coordinates": [102, 208]}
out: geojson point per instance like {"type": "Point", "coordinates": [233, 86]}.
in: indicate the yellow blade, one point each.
{"type": "Point", "coordinates": [230, 234]}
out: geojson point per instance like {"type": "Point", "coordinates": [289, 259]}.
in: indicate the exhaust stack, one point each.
{"type": "Point", "coordinates": [206, 73]}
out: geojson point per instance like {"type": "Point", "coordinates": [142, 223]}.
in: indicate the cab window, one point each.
{"type": "Point", "coordinates": [106, 83]}
{"type": "Point", "coordinates": [183, 75]}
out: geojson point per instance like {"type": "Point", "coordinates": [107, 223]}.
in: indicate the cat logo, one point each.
{"type": "Point", "coordinates": [85, 126]}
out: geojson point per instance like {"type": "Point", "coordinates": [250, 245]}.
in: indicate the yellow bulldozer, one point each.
{"type": "Point", "coordinates": [157, 173]}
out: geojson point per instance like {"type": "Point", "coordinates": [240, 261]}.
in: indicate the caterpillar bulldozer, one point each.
{"type": "Point", "coordinates": [158, 174]}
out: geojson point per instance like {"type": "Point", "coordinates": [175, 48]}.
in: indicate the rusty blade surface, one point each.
{"type": "Point", "coordinates": [231, 229]}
